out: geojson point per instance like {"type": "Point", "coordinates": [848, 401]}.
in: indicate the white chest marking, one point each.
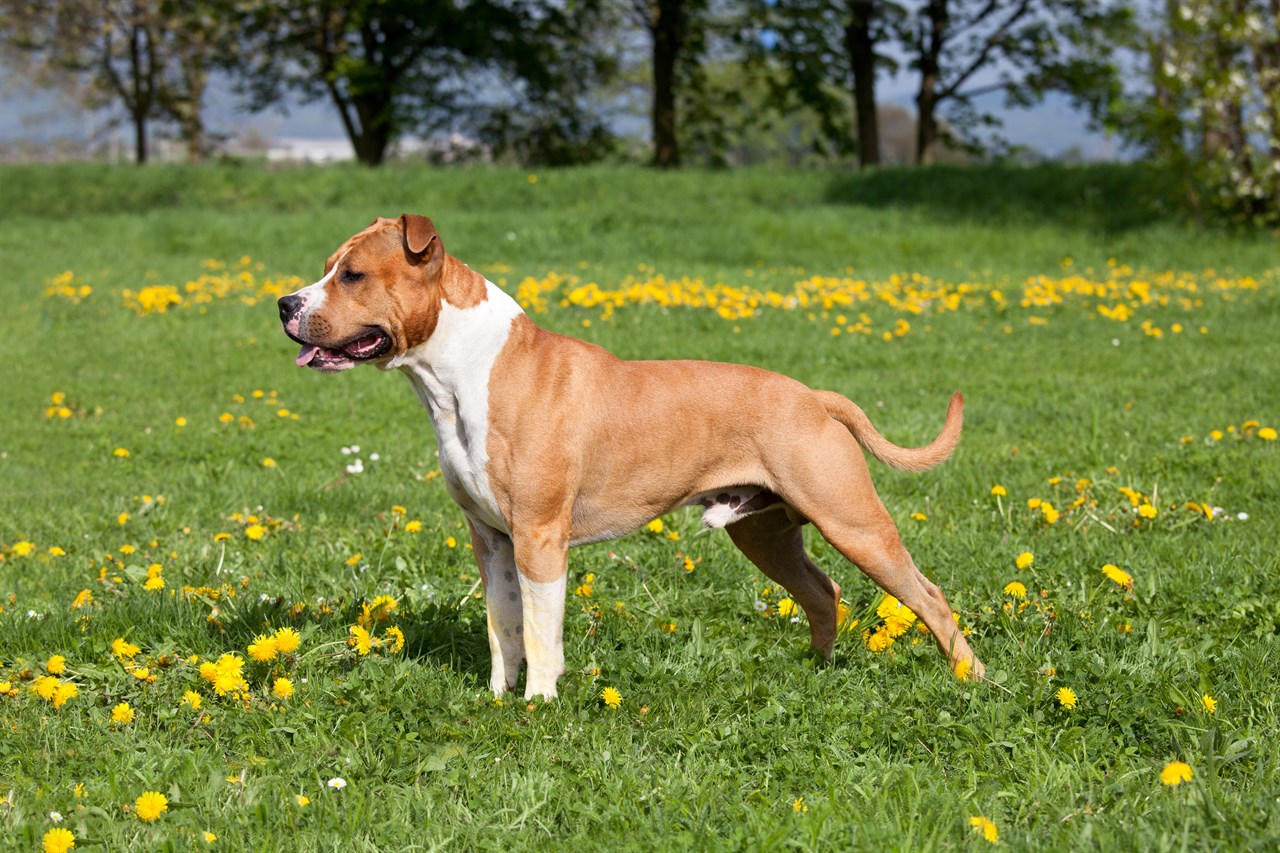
{"type": "Point", "coordinates": [450, 373]}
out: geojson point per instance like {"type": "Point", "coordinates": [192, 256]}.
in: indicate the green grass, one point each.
{"type": "Point", "coordinates": [727, 721]}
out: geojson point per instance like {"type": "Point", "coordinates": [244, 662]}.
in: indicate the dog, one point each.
{"type": "Point", "coordinates": [547, 442]}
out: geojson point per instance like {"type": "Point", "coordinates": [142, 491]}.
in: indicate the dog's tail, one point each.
{"type": "Point", "coordinates": [934, 453]}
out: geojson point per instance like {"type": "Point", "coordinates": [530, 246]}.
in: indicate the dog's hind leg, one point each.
{"type": "Point", "coordinates": [775, 544]}
{"type": "Point", "coordinates": [829, 484]}
{"type": "Point", "coordinates": [497, 562]}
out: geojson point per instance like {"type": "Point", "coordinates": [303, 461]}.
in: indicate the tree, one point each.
{"type": "Point", "coordinates": [1209, 103]}
{"type": "Point", "coordinates": [109, 48]}
{"type": "Point", "coordinates": [829, 50]}
{"type": "Point", "coordinates": [150, 57]}
{"type": "Point", "coordinates": [1022, 48]}
{"type": "Point", "coordinates": [393, 67]}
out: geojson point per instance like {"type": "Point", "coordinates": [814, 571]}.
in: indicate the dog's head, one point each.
{"type": "Point", "coordinates": [379, 297]}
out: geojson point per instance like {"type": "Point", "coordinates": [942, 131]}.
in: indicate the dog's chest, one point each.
{"type": "Point", "coordinates": [461, 428]}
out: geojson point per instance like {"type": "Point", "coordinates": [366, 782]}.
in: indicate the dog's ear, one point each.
{"type": "Point", "coordinates": [419, 233]}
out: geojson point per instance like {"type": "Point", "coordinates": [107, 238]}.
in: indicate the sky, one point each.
{"type": "Point", "coordinates": [1052, 127]}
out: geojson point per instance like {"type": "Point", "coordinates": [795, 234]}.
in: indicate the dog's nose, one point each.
{"type": "Point", "coordinates": [289, 306]}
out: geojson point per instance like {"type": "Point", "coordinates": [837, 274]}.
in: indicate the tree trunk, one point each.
{"type": "Point", "coordinates": [139, 138]}
{"type": "Point", "coordinates": [927, 98]}
{"type": "Point", "coordinates": [667, 31]}
{"type": "Point", "coordinates": [860, 45]}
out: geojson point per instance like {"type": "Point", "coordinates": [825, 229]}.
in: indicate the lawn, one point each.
{"type": "Point", "coordinates": [176, 497]}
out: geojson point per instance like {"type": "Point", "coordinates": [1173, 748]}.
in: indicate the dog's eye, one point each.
{"type": "Point", "coordinates": [352, 277]}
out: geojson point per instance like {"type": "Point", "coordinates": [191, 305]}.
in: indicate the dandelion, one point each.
{"type": "Point", "coordinates": [56, 665]}
{"type": "Point", "coordinates": [255, 532]}
{"type": "Point", "coordinates": [268, 462]}
{"type": "Point", "coordinates": [120, 453]}
{"type": "Point", "coordinates": [964, 669]}
{"type": "Point", "coordinates": [1118, 575]}
{"type": "Point", "coordinates": [263, 648]}
{"type": "Point", "coordinates": [654, 526]}
{"type": "Point", "coordinates": [451, 542]}
{"type": "Point", "coordinates": [360, 640]}
{"type": "Point", "coordinates": [786, 607]}
{"type": "Point", "coordinates": [999, 491]}
{"type": "Point", "coordinates": [879, 641]}
{"type": "Point", "coordinates": [395, 638]}
{"type": "Point", "coordinates": [83, 598]}
{"type": "Point", "coordinates": [337, 783]}
{"type": "Point", "coordinates": [1209, 704]}
{"type": "Point", "coordinates": [1015, 590]}
{"type": "Point", "coordinates": [1267, 434]}
{"type": "Point", "coordinates": [1147, 511]}
{"type": "Point", "coordinates": [23, 548]}
{"type": "Point", "coordinates": [154, 584]}
{"type": "Point", "coordinates": [413, 526]}
{"type": "Point", "coordinates": [287, 641]}
{"type": "Point", "coordinates": [122, 519]}
{"type": "Point", "coordinates": [123, 649]}
{"type": "Point", "coordinates": [611, 697]}
{"type": "Point", "coordinates": [209, 837]}
{"type": "Point", "coordinates": [1067, 698]}
{"type": "Point", "coordinates": [150, 805]}
{"type": "Point", "coordinates": [123, 714]}
{"type": "Point", "coordinates": [919, 516]}
{"type": "Point", "coordinates": [985, 828]}
{"type": "Point", "coordinates": [282, 688]}
{"type": "Point", "coordinates": [1024, 560]}
{"type": "Point", "coordinates": [192, 698]}
{"type": "Point", "coordinates": [58, 840]}
{"type": "Point", "coordinates": [1175, 773]}
{"type": "Point", "coordinates": [798, 806]}
{"type": "Point", "coordinates": [55, 551]}
{"type": "Point", "coordinates": [302, 800]}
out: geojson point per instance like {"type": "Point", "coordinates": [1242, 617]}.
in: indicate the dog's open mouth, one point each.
{"type": "Point", "coordinates": [367, 346]}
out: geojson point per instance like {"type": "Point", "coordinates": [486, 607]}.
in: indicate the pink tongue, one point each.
{"type": "Point", "coordinates": [363, 345]}
{"type": "Point", "coordinates": [307, 353]}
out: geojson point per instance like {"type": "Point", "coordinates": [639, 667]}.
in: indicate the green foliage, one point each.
{"type": "Point", "coordinates": [728, 736]}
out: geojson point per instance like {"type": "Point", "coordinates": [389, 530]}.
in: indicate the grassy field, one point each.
{"type": "Point", "coordinates": [174, 491]}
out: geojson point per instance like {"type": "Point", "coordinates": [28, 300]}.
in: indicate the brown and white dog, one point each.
{"type": "Point", "coordinates": [547, 442]}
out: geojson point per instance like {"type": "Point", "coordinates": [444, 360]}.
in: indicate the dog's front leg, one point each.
{"type": "Point", "coordinates": [542, 558]}
{"type": "Point", "coordinates": [496, 559]}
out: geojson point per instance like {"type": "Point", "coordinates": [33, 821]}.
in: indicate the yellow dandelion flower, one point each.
{"type": "Point", "coordinates": [879, 641]}
{"type": "Point", "coordinates": [451, 542]}
{"type": "Point", "coordinates": [122, 519]}
{"type": "Point", "coordinates": [55, 551]}
{"type": "Point", "coordinates": [1147, 511]}
{"type": "Point", "coordinates": [255, 531]}
{"type": "Point", "coordinates": [798, 806]}
{"type": "Point", "coordinates": [44, 687]}
{"type": "Point", "coordinates": [1066, 698]}
{"type": "Point", "coordinates": [268, 462]}
{"type": "Point", "coordinates": [58, 840]}
{"type": "Point", "coordinates": [64, 691]}
{"type": "Point", "coordinates": [360, 640]}
{"type": "Point", "coordinates": [180, 422]}
{"type": "Point", "coordinates": [355, 558]}
{"type": "Point", "coordinates": [413, 526]}
{"type": "Point", "coordinates": [964, 669]}
{"type": "Point", "coordinates": [23, 548]}
{"type": "Point", "coordinates": [282, 688]}
{"type": "Point", "coordinates": [192, 698]}
{"type": "Point", "coordinates": [1176, 772]}
{"type": "Point", "coordinates": [1024, 560]}
{"type": "Point", "coordinates": [1209, 704]}
{"type": "Point", "coordinates": [1267, 434]}
{"type": "Point", "coordinates": [999, 491]}
{"type": "Point", "coordinates": [611, 697]}
{"type": "Point", "coordinates": [120, 452]}
{"type": "Point", "coordinates": [985, 828]}
{"type": "Point", "coordinates": [1015, 590]}
{"type": "Point", "coordinates": [398, 510]}
{"type": "Point", "coordinates": [263, 648]}
{"type": "Point", "coordinates": [688, 565]}
{"type": "Point", "coordinates": [123, 649]}
{"type": "Point", "coordinates": [654, 526]}
{"type": "Point", "coordinates": [394, 637]}
{"type": "Point", "coordinates": [1118, 575]}
{"type": "Point", "coordinates": [56, 665]}
{"type": "Point", "coordinates": [150, 805]}
{"type": "Point", "coordinates": [302, 800]}
{"type": "Point", "coordinates": [786, 607]}
{"type": "Point", "coordinates": [154, 584]}
{"type": "Point", "coordinates": [287, 641]}
{"type": "Point", "coordinates": [209, 837]}
{"type": "Point", "coordinates": [123, 714]}
{"type": "Point", "coordinates": [84, 597]}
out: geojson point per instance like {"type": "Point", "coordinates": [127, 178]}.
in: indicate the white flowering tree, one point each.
{"type": "Point", "coordinates": [1212, 107]}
